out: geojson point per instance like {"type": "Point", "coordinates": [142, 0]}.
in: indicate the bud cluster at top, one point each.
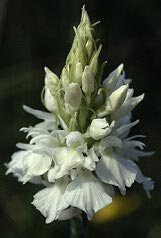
{"type": "Point", "coordinates": [72, 97]}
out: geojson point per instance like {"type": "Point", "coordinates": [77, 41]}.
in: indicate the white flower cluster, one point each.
{"type": "Point", "coordinates": [81, 149]}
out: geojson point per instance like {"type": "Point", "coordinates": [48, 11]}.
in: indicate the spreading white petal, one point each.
{"type": "Point", "coordinates": [34, 131]}
{"type": "Point", "coordinates": [110, 141]}
{"type": "Point", "coordinates": [39, 114]}
{"type": "Point", "coordinates": [50, 202]}
{"type": "Point", "coordinates": [120, 131]}
{"type": "Point", "coordinates": [133, 149]}
{"type": "Point", "coordinates": [45, 140]}
{"type": "Point", "coordinates": [35, 165]}
{"type": "Point", "coordinates": [115, 170]}
{"type": "Point", "coordinates": [147, 182]}
{"type": "Point", "coordinates": [49, 125]}
{"type": "Point", "coordinates": [87, 194]}
{"type": "Point", "coordinates": [15, 166]}
{"type": "Point", "coordinates": [49, 122]}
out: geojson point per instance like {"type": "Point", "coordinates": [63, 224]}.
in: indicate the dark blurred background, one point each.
{"type": "Point", "coordinates": [34, 34]}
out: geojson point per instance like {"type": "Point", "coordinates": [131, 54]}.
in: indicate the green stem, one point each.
{"type": "Point", "coordinates": [78, 227]}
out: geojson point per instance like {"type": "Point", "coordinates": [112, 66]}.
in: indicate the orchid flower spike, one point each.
{"type": "Point", "coordinates": [81, 150]}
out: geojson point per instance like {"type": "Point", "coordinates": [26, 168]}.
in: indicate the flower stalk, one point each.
{"type": "Point", "coordinates": [79, 227]}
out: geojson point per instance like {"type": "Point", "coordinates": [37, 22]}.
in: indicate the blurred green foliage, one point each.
{"type": "Point", "coordinates": [34, 34]}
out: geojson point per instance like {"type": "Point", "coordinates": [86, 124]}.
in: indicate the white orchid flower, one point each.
{"type": "Point", "coordinates": [100, 128]}
{"type": "Point", "coordinates": [81, 149]}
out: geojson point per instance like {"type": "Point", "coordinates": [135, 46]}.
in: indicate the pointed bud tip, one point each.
{"type": "Point", "coordinates": [46, 69]}
{"type": "Point", "coordinates": [121, 65]}
{"type": "Point", "coordinates": [123, 88]}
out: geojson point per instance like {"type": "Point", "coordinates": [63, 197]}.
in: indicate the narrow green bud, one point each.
{"type": "Point", "coordinates": [81, 53]}
{"type": "Point", "coordinates": [88, 83]}
{"type": "Point", "coordinates": [89, 47]}
{"type": "Point", "coordinates": [94, 61]}
{"type": "Point", "coordinates": [65, 78]}
{"type": "Point", "coordinates": [78, 72]}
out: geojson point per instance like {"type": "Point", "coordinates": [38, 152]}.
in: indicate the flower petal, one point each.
{"type": "Point", "coordinates": [15, 166]}
{"type": "Point", "coordinates": [90, 160]}
{"type": "Point", "coordinates": [87, 194]}
{"type": "Point", "coordinates": [110, 141]}
{"type": "Point", "coordinates": [73, 95]}
{"type": "Point", "coordinates": [100, 128]}
{"type": "Point", "coordinates": [49, 119]}
{"type": "Point", "coordinates": [128, 105]}
{"type": "Point", "coordinates": [39, 114]}
{"type": "Point", "coordinates": [133, 149]}
{"type": "Point", "coordinates": [50, 202]}
{"type": "Point", "coordinates": [35, 165]}
{"type": "Point", "coordinates": [117, 171]}
{"type": "Point", "coordinates": [122, 129]}
{"type": "Point", "coordinates": [115, 100]}
{"type": "Point", "coordinates": [111, 81]}
{"type": "Point", "coordinates": [74, 139]}
{"type": "Point", "coordinates": [65, 160]}
{"type": "Point", "coordinates": [50, 101]}
{"type": "Point", "coordinates": [147, 182]}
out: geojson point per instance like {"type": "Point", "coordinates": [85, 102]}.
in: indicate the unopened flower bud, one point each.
{"type": "Point", "coordinates": [111, 81]}
{"type": "Point", "coordinates": [115, 100]}
{"type": "Point", "coordinates": [85, 25]}
{"type": "Point", "coordinates": [78, 72]}
{"type": "Point", "coordinates": [88, 82]}
{"type": "Point", "coordinates": [51, 80]}
{"type": "Point", "coordinates": [89, 48]}
{"type": "Point", "coordinates": [100, 128]}
{"type": "Point", "coordinates": [81, 54]}
{"type": "Point", "coordinates": [50, 101]}
{"type": "Point", "coordinates": [94, 61]}
{"type": "Point", "coordinates": [65, 78]}
{"type": "Point", "coordinates": [73, 95]}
